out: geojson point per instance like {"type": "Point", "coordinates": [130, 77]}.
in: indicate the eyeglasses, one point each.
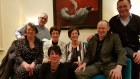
{"type": "Point", "coordinates": [43, 18]}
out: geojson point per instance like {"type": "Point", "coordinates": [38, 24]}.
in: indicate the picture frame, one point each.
{"type": "Point", "coordinates": [79, 13]}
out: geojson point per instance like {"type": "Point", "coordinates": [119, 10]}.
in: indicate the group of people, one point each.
{"type": "Point", "coordinates": [106, 52]}
{"type": "Point", "coordinates": [127, 26]}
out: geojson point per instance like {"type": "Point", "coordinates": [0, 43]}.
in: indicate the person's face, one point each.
{"type": "Point", "coordinates": [102, 29]}
{"type": "Point", "coordinates": [74, 35]}
{"type": "Point", "coordinates": [123, 8]}
{"type": "Point", "coordinates": [42, 19]}
{"type": "Point", "coordinates": [55, 36]}
{"type": "Point", "coordinates": [54, 58]}
{"type": "Point", "coordinates": [30, 32]}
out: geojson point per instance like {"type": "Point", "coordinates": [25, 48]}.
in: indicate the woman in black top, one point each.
{"type": "Point", "coordinates": [54, 69]}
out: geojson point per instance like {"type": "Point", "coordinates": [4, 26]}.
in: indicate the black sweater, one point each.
{"type": "Point", "coordinates": [62, 71]}
{"type": "Point", "coordinates": [129, 33]}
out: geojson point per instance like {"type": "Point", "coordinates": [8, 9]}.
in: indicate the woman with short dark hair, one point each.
{"type": "Point", "coordinates": [55, 33]}
{"type": "Point", "coordinates": [54, 69]}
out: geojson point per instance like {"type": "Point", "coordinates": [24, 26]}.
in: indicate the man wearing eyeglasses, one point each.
{"type": "Point", "coordinates": [43, 32]}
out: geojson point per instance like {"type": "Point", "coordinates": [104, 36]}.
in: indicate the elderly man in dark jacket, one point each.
{"type": "Point", "coordinates": [105, 54]}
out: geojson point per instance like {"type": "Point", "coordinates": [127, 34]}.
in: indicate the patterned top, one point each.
{"type": "Point", "coordinates": [27, 54]}
{"type": "Point", "coordinates": [75, 54]}
{"type": "Point", "coordinates": [47, 44]}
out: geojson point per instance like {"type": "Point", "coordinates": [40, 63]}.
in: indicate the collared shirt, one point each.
{"type": "Point", "coordinates": [43, 32]}
{"type": "Point", "coordinates": [125, 21]}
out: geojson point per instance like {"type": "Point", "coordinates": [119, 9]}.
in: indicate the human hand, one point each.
{"type": "Point", "coordinates": [83, 66]}
{"type": "Point", "coordinates": [32, 68]}
{"type": "Point", "coordinates": [136, 57]}
{"type": "Point", "coordinates": [78, 63]}
{"type": "Point", "coordinates": [89, 37]}
{"type": "Point", "coordinates": [22, 37]}
{"type": "Point", "coordinates": [26, 66]}
{"type": "Point", "coordinates": [32, 65]}
{"type": "Point", "coordinates": [46, 61]}
{"type": "Point", "coordinates": [116, 72]}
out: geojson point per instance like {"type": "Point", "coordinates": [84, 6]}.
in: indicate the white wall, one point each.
{"type": "Point", "coordinates": [9, 20]}
{"type": "Point", "coordinates": [110, 8]}
{"type": "Point", "coordinates": [14, 13]}
{"type": "Point", "coordinates": [1, 41]}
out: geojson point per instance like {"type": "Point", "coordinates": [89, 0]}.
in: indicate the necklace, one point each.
{"type": "Point", "coordinates": [53, 70]}
{"type": "Point", "coordinates": [54, 66]}
{"type": "Point", "coordinates": [32, 45]}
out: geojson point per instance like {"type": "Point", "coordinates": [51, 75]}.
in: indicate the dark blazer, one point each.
{"type": "Point", "coordinates": [6, 67]}
{"type": "Point", "coordinates": [111, 52]}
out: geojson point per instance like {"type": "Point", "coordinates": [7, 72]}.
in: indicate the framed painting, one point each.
{"type": "Point", "coordinates": [80, 13]}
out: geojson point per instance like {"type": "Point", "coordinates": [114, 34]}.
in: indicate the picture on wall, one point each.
{"type": "Point", "coordinates": [80, 13]}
